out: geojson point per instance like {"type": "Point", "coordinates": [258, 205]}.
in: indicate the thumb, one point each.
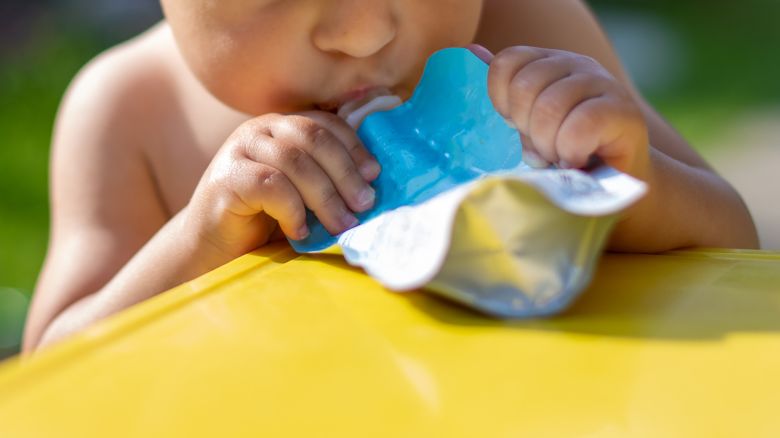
{"type": "Point", "coordinates": [481, 52]}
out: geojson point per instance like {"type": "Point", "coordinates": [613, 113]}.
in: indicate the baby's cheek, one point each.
{"type": "Point", "coordinates": [257, 89]}
{"type": "Point", "coordinates": [446, 23]}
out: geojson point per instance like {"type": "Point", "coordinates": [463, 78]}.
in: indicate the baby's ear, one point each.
{"type": "Point", "coordinates": [481, 52]}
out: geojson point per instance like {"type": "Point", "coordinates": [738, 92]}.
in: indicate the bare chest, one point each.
{"type": "Point", "coordinates": [182, 149]}
{"type": "Point", "coordinates": [179, 125]}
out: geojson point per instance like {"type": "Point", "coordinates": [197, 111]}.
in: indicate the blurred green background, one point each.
{"type": "Point", "coordinates": [711, 68]}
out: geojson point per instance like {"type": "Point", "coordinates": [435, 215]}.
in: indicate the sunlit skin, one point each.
{"type": "Point", "coordinates": [285, 56]}
{"type": "Point", "coordinates": [338, 51]}
{"type": "Point", "coordinates": [209, 135]}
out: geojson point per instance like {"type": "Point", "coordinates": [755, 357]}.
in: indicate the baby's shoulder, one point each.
{"type": "Point", "coordinates": [137, 109]}
{"type": "Point", "coordinates": [128, 87]}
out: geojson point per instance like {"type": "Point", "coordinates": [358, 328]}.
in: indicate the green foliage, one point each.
{"type": "Point", "coordinates": [13, 307]}
{"type": "Point", "coordinates": [732, 64]}
{"type": "Point", "coordinates": [33, 83]}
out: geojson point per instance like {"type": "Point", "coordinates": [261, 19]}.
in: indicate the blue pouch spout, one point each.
{"type": "Point", "coordinates": [447, 134]}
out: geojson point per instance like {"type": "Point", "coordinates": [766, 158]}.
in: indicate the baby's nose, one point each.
{"type": "Point", "coordinates": [358, 28]}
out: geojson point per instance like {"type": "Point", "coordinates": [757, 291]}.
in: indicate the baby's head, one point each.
{"type": "Point", "coordinates": [261, 56]}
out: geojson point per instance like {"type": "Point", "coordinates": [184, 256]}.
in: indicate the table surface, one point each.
{"type": "Point", "coordinates": [681, 344]}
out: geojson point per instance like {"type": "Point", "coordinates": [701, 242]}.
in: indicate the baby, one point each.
{"type": "Point", "coordinates": [209, 136]}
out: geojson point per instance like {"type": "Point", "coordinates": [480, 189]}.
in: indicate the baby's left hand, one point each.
{"type": "Point", "coordinates": [567, 108]}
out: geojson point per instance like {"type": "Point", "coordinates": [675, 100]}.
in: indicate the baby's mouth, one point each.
{"type": "Point", "coordinates": [353, 99]}
{"type": "Point", "coordinates": [358, 105]}
{"type": "Point", "coordinates": [361, 98]}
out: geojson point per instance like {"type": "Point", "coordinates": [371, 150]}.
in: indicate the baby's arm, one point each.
{"type": "Point", "coordinates": [567, 106]}
{"type": "Point", "coordinates": [105, 207]}
{"type": "Point", "coordinates": [113, 243]}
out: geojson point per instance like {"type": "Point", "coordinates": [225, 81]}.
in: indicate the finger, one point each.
{"type": "Point", "coordinates": [366, 164]}
{"type": "Point", "coordinates": [585, 128]}
{"type": "Point", "coordinates": [503, 68]}
{"type": "Point", "coordinates": [530, 156]}
{"type": "Point", "coordinates": [314, 186]}
{"type": "Point", "coordinates": [554, 104]}
{"type": "Point", "coordinates": [264, 188]}
{"type": "Point", "coordinates": [530, 82]}
{"type": "Point", "coordinates": [329, 152]}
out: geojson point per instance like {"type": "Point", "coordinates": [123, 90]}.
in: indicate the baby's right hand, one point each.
{"type": "Point", "coordinates": [274, 166]}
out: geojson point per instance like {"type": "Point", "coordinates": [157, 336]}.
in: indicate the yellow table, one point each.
{"type": "Point", "coordinates": [685, 344]}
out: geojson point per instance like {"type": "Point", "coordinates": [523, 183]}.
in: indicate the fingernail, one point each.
{"type": "Point", "coordinates": [369, 170]}
{"type": "Point", "coordinates": [348, 221]}
{"type": "Point", "coordinates": [365, 198]}
{"type": "Point", "coordinates": [534, 160]}
{"type": "Point", "coordinates": [303, 232]}
{"type": "Point", "coordinates": [481, 52]}
{"type": "Point", "coordinates": [510, 123]}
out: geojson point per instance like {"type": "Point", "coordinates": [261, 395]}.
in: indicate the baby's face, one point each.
{"type": "Point", "coordinates": [261, 56]}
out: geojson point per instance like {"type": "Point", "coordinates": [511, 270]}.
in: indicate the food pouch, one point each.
{"type": "Point", "coordinates": [458, 212]}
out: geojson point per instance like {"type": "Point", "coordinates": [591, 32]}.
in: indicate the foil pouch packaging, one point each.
{"type": "Point", "coordinates": [459, 213]}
